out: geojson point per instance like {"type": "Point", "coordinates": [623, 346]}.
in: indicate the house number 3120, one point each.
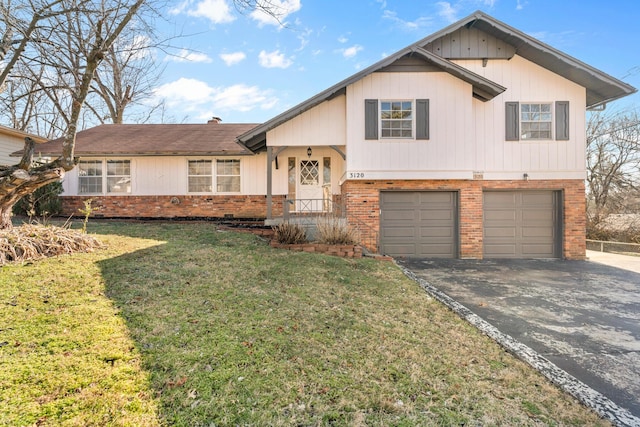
{"type": "Point", "coordinates": [353, 175]}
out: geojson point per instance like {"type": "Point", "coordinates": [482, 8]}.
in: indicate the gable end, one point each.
{"type": "Point", "coordinates": [470, 43]}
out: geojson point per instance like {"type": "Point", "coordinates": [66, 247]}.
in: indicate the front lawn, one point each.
{"type": "Point", "coordinates": [181, 324]}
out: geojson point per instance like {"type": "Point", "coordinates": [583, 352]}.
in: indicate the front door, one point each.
{"type": "Point", "coordinates": [310, 196]}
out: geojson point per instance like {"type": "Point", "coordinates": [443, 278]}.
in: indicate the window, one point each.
{"type": "Point", "coordinates": [90, 176]}
{"type": "Point", "coordinates": [200, 176]}
{"type": "Point", "coordinates": [228, 176]}
{"type": "Point", "coordinates": [401, 119]}
{"type": "Point", "coordinates": [119, 176]}
{"type": "Point", "coordinates": [396, 119]}
{"type": "Point", "coordinates": [535, 121]}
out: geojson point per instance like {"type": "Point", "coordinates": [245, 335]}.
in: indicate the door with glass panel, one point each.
{"type": "Point", "coordinates": [310, 184]}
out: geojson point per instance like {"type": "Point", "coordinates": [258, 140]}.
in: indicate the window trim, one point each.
{"type": "Point", "coordinates": [551, 120]}
{"type": "Point", "coordinates": [104, 177]}
{"type": "Point", "coordinates": [210, 175]}
{"type": "Point", "coordinates": [412, 118]}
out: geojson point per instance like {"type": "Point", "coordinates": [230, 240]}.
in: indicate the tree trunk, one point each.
{"type": "Point", "coordinates": [22, 179]}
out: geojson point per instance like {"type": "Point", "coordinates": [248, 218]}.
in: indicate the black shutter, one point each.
{"type": "Point", "coordinates": [422, 119]}
{"type": "Point", "coordinates": [370, 119]}
{"type": "Point", "coordinates": [512, 122]}
{"type": "Point", "coordinates": [562, 120]}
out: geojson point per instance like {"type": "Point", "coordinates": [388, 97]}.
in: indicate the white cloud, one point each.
{"type": "Point", "coordinates": [188, 56]}
{"type": "Point", "coordinates": [216, 11]}
{"type": "Point", "coordinates": [232, 58]}
{"type": "Point", "coordinates": [274, 59]}
{"type": "Point", "coordinates": [416, 24]}
{"type": "Point", "coordinates": [198, 98]}
{"type": "Point", "coordinates": [342, 39]}
{"type": "Point", "coordinates": [279, 10]}
{"type": "Point", "coordinates": [447, 11]}
{"type": "Point", "coordinates": [352, 51]}
{"type": "Point", "coordinates": [520, 4]}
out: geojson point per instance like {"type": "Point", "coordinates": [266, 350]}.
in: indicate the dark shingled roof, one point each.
{"type": "Point", "coordinates": [155, 140]}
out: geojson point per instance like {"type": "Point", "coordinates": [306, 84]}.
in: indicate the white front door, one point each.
{"type": "Point", "coordinates": [310, 192]}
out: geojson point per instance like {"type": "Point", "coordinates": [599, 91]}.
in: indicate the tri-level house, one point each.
{"type": "Point", "coordinates": [469, 143]}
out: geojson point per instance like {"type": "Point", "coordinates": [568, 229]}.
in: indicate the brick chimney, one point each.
{"type": "Point", "coordinates": [214, 120]}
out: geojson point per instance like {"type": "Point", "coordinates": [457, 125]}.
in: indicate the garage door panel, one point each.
{"type": "Point", "coordinates": [402, 214]}
{"type": "Point", "coordinates": [520, 224]}
{"type": "Point", "coordinates": [430, 230]}
{"type": "Point", "coordinates": [436, 251]}
{"type": "Point", "coordinates": [500, 215]}
{"type": "Point", "coordinates": [537, 199]}
{"type": "Point", "coordinates": [434, 232]}
{"type": "Point", "coordinates": [505, 200]}
{"type": "Point", "coordinates": [502, 232]}
{"type": "Point", "coordinates": [436, 215]}
{"type": "Point", "coordinates": [391, 232]}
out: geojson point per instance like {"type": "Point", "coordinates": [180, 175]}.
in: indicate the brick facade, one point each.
{"type": "Point", "coordinates": [362, 199]}
{"type": "Point", "coordinates": [190, 206]}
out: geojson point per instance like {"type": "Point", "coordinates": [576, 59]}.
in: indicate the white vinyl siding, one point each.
{"type": "Point", "coordinates": [467, 135]}
{"type": "Point", "coordinates": [168, 175]}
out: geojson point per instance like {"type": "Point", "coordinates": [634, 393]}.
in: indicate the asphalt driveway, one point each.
{"type": "Point", "coordinates": [582, 316]}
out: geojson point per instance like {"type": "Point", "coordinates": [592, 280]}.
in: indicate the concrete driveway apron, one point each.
{"type": "Point", "coordinates": [582, 316]}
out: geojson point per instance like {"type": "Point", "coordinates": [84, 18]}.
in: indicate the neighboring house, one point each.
{"type": "Point", "coordinates": [12, 140]}
{"type": "Point", "coordinates": [469, 143]}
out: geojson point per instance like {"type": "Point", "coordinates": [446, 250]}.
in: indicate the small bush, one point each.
{"type": "Point", "coordinates": [334, 231]}
{"type": "Point", "coordinates": [43, 202]}
{"type": "Point", "coordinates": [290, 234]}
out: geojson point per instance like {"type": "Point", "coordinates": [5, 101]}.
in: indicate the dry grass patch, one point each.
{"type": "Point", "coordinates": [35, 241]}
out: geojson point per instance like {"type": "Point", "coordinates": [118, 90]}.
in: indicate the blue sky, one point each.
{"type": "Point", "coordinates": [249, 68]}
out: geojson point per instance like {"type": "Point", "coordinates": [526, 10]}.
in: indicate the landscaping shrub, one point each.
{"type": "Point", "coordinates": [335, 231]}
{"type": "Point", "coordinates": [43, 202]}
{"type": "Point", "coordinates": [289, 233]}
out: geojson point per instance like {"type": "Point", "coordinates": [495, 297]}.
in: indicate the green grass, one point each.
{"type": "Point", "coordinates": [181, 324]}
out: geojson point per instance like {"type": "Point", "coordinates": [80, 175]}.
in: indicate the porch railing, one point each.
{"type": "Point", "coordinates": [311, 208]}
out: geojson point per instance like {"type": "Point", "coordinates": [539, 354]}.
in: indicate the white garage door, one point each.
{"type": "Point", "coordinates": [521, 224]}
{"type": "Point", "coordinates": [419, 224]}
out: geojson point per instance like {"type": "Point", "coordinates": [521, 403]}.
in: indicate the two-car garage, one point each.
{"type": "Point", "coordinates": [515, 224]}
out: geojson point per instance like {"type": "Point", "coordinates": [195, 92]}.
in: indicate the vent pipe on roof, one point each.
{"type": "Point", "coordinates": [214, 120]}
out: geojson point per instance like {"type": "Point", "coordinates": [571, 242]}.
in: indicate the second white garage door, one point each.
{"type": "Point", "coordinates": [419, 223]}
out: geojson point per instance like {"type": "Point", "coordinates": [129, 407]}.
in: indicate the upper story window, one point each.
{"type": "Point", "coordinates": [228, 176]}
{"type": "Point", "coordinates": [396, 119]}
{"type": "Point", "coordinates": [535, 121]}
{"type": "Point", "coordinates": [540, 121]}
{"type": "Point", "coordinates": [92, 178]}
{"type": "Point", "coordinates": [200, 176]}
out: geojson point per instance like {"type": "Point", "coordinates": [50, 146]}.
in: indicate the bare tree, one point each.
{"type": "Point", "coordinates": [52, 50]}
{"type": "Point", "coordinates": [613, 162]}
{"type": "Point", "coordinates": [59, 44]}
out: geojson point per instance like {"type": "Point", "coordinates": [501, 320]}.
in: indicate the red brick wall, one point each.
{"type": "Point", "coordinates": [362, 200]}
{"type": "Point", "coordinates": [182, 207]}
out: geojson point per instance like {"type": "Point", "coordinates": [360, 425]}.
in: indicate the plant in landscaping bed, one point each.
{"type": "Point", "coordinates": [289, 233]}
{"type": "Point", "coordinates": [335, 231]}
